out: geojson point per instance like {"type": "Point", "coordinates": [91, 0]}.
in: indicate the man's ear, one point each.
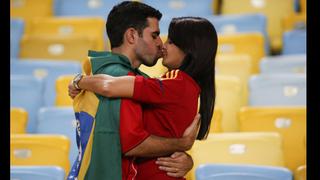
{"type": "Point", "coordinates": [131, 35]}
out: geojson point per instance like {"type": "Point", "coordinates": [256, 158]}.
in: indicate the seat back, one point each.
{"type": "Point", "coordinates": [291, 64]}
{"type": "Point", "coordinates": [52, 150]}
{"type": "Point", "coordinates": [48, 70]}
{"type": "Point", "coordinates": [300, 173]}
{"type": "Point", "coordinates": [27, 92]}
{"type": "Point", "coordinates": [59, 121]}
{"type": "Point", "coordinates": [16, 33]}
{"type": "Point", "coordinates": [277, 90]}
{"type": "Point", "coordinates": [18, 120]}
{"type": "Point", "coordinates": [29, 9]}
{"type": "Point", "coordinates": [295, 42]}
{"type": "Point", "coordinates": [290, 122]}
{"type": "Point", "coordinates": [37, 172]}
{"type": "Point", "coordinates": [229, 94]}
{"type": "Point", "coordinates": [260, 148]}
{"type": "Point", "coordinates": [241, 172]}
{"type": "Point", "coordinates": [251, 44]}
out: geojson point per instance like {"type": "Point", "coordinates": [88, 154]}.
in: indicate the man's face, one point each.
{"type": "Point", "coordinates": [148, 49]}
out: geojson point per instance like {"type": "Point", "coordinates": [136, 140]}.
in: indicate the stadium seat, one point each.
{"type": "Point", "coordinates": [62, 97]}
{"type": "Point", "coordinates": [100, 8]}
{"type": "Point", "coordinates": [290, 122]}
{"type": "Point", "coordinates": [243, 43]}
{"type": "Point", "coordinates": [301, 173]}
{"type": "Point", "coordinates": [274, 10]}
{"type": "Point", "coordinates": [50, 150]}
{"type": "Point", "coordinates": [238, 65]}
{"type": "Point", "coordinates": [229, 94]}
{"type": "Point", "coordinates": [16, 33]}
{"type": "Point", "coordinates": [216, 121]}
{"type": "Point", "coordinates": [241, 172]}
{"type": "Point", "coordinates": [58, 48]}
{"type": "Point", "coordinates": [36, 173]}
{"type": "Point", "coordinates": [283, 64]}
{"type": "Point", "coordinates": [48, 70]}
{"type": "Point", "coordinates": [92, 27]}
{"type": "Point", "coordinates": [30, 9]}
{"type": "Point", "coordinates": [241, 23]}
{"type": "Point", "coordinates": [303, 6]}
{"type": "Point", "coordinates": [59, 120]}
{"type": "Point", "coordinates": [18, 120]}
{"type": "Point", "coordinates": [294, 21]}
{"type": "Point", "coordinates": [260, 148]}
{"type": "Point", "coordinates": [155, 71]}
{"type": "Point", "coordinates": [27, 92]}
{"type": "Point", "coordinates": [277, 90]}
{"type": "Point", "coordinates": [295, 42]}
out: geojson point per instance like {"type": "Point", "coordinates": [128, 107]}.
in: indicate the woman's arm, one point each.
{"type": "Point", "coordinates": [108, 86]}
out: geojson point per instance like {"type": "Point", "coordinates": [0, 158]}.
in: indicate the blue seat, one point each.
{"type": "Point", "coordinates": [283, 64]}
{"type": "Point", "coordinates": [84, 7]}
{"type": "Point", "coordinates": [27, 92]}
{"type": "Point", "coordinates": [36, 173]}
{"type": "Point", "coordinates": [49, 70]}
{"type": "Point", "coordinates": [16, 33]}
{"type": "Point", "coordinates": [294, 42]}
{"type": "Point", "coordinates": [241, 23]}
{"type": "Point", "coordinates": [59, 120]}
{"type": "Point", "coordinates": [277, 90]}
{"type": "Point", "coordinates": [176, 8]}
{"type": "Point", "coordinates": [241, 172]}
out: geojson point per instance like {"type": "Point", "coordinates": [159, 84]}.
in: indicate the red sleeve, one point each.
{"type": "Point", "coordinates": [132, 131]}
{"type": "Point", "coordinates": [159, 91]}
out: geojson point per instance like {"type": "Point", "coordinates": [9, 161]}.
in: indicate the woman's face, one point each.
{"type": "Point", "coordinates": [172, 55]}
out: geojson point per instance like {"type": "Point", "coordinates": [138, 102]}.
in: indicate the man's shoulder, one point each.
{"type": "Point", "coordinates": [115, 70]}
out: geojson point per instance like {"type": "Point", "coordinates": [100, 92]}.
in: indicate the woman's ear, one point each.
{"type": "Point", "coordinates": [131, 35]}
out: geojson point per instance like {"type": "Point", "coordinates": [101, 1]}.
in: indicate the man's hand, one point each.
{"type": "Point", "coordinates": [177, 165]}
{"type": "Point", "coordinates": [72, 91]}
{"type": "Point", "coordinates": [190, 134]}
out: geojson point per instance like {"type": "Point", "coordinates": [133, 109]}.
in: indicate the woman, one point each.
{"type": "Point", "coordinates": [170, 103]}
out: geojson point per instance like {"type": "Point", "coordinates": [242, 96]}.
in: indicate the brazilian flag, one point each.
{"type": "Point", "coordinates": [98, 118]}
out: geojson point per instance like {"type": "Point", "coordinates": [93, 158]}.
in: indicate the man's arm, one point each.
{"type": "Point", "coordinates": [155, 146]}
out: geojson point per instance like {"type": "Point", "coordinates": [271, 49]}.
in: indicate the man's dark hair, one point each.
{"type": "Point", "coordinates": [128, 14]}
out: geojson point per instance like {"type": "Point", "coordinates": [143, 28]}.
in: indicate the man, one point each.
{"type": "Point", "coordinates": [133, 30]}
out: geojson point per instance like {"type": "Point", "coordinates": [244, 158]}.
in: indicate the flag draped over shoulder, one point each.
{"type": "Point", "coordinates": [98, 118]}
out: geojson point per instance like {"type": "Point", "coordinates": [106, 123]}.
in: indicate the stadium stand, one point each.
{"type": "Point", "coordinates": [283, 64]}
{"type": "Point", "coordinates": [295, 42]}
{"type": "Point", "coordinates": [16, 32]}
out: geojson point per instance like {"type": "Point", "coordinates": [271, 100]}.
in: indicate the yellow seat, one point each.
{"type": "Point", "coordinates": [251, 44]}
{"type": "Point", "coordinates": [27, 149]}
{"type": "Point", "coordinates": [290, 122]}
{"type": "Point", "coordinates": [274, 10]}
{"type": "Point", "coordinates": [303, 6]}
{"type": "Point", "coordinates": [63, 48]}
{"type": "Point", "coordinates": [216, 121]}
{"type": "Point", "coordinates": [229, 95]}
{"type": "Point", "coordinates": [294, 21]}
{"type": "Point", "coordinates": [28, 9]}
{"type": "Point", "coordinates": [300, 173]}
{"type": "Point", "coordinates": [92, 27]}
{"type": "Point", "coordinates": [18, 120]}
{"type": "Point", "coordinates": [238, 148]}
{"type": "Point", "coordinates": [62, 97]}
{"type": "Point", "coordinates": [238, 65]}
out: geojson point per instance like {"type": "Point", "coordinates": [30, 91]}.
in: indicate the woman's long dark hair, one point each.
{"type": "Point", "coordinates": [197, 38]}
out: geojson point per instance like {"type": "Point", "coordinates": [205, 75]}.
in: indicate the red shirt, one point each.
{"type": "Point", "coordinates": [169, 106]}
{"type": "Point", "coordinates": [172, 103]}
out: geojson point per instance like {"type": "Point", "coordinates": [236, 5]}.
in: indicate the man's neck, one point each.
{"type": "Point", "coordinates": [130, 55]}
